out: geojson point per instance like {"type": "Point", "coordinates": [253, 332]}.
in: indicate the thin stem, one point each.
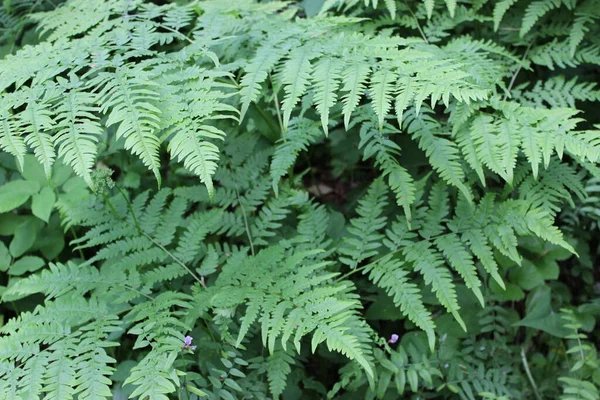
{"type": "Point", "coordinates": [191, 41]}
{"type": "Point", "coordinates": [418, 25]}
{"type": "Point", "coordinates": [514, 77]}
{"type": "Point", "coordinates": [174, 258]}
{"type": "Point", "coordinates": [269, 122]}
{"type": "Point", "coordinates": [245, 221]}
{"type": "Point", "coordinates": [355, 270]}
{"type": "Point", "coordinates": [138, 291]}
{"type": "Point", "coordinates": [78, 249]}
{"type": "Point", "coordinates": [529, 376]}
{"type": "Point", "coordinates": [151, 239]}
{"type": "Point", "coordinates": [276, 101]}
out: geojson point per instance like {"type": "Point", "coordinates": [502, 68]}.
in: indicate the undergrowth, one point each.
{"type": "Point", "coordinates": [299, 200]}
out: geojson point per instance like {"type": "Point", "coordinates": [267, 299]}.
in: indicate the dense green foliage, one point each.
{"type": "Point", "coordinates": [300, 200]}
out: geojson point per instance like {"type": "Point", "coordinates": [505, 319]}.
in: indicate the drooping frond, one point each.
{"type": "Point", "coordinates": [291, 297]}
{"type": "Point", "coordinates": [299, 135]}
{"type": "Point", "coordinates": [364, 239]}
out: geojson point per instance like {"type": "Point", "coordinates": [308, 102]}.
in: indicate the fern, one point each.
{"type": "Point", "coordinates": [378, 187]}
{"type": "Point", "coordinates": [296, 139]}
{"type": "Point", "coordinates": [291, 310]}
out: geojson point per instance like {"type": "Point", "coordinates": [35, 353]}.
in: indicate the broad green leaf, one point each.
{"type": "Point", "coordinates": [26, 264]}
{"type": "Point", "coordinates": [540, 315]}
{"type": "Point", "coordinates": [196, 391]}
{"type": "Point", "coordinates": [34, 171]}
{"type": "Point", "coordinates": [42, 203]}
{"type": "Point", "coordinates": [15, 193]}
{"type": "Point", "coordinates": [24, 238]}
{"type": "Point", "coordinates": [5, 258]}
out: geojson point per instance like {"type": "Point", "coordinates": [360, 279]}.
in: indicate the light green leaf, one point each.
{"type": "Point", "coordinates": [33, 170]}
{"type": "Point", "coordinates": [24, 238]}
{"type": "Point", "coordinates": [5, 258]}
{"type": "Point", "coordinates": [196, 391]}
{"type": "Point", "coordinates": [42, 203]}
{"type": "Point", "coordinates": [26, 264]}
{"type": "Point", "coordinates": [539, 313]}
{"type": "Point", "coordinates": [16, 193]}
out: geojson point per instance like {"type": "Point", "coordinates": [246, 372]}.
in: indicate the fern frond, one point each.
{"type": "Point", "coordinates": [10, 139]}
{"type": "Point", "coordinates": [365, 239]}
{"type": "Point", "coordinates": [300, 134]}
{"type": "Point", "coordinates": [198, 155]}
{"type": "Point", "coordinates": [430, 264]}
{"type": "Point", "coordinates": [535, 11]}
{"type": "Point", "coordinates": [296, 76]}
{"type": "Point", "coordinates": [74, 18]}
{"type": "Point", "coordinates": [129, 95]}
{"type": "Point", "coordinates": [381, 89]}
{"type": "Point", "coordinates": [35, 122]}
{"type": "Point", "coordinates": [327, 76]}
{"type": "Point", "coordinates": [500, 8]}
{"type": "Point", "coordinates": [391, 275]}
{"type": "Point", "coordinates": [78, 129]}
{"type": "Point", "coordinates": [376, 144]}
{"type": "Point", "coordinates": [278, 368]}
{"type": "Point", "coordinates": [293, 296]}
{"type": "Point", "coordinates": [442, 153]}
{"type": "Point", "coordinates": [354, 78]}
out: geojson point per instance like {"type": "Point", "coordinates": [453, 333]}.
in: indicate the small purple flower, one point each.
{"type": "Point", "coordinates": [394, 338]}
{"type": "Point", "coordinates": [187, 344]}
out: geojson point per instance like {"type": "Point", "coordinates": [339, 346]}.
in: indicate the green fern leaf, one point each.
{"type": "Point", "coordinates": [389, 274]}
{"type": "Point", "coordinates": [458, 257]}
{"type": "Point", "coordinates": [78, 130]}
{"type": "Point", "coordinates": [299, 135]}
{"type": "Point", "coordinates": [128, 94]}
{"type": "Point", "coordinates": [382, 86]}
{"type": "Point", "coordinates": [326, 81]}
{"type": "Point", "coordinates": [354, 78]}
{"type": "Point", "coordinates": [296, 77]}
{"type": "Point", "coordinates": [535, 11]}
{"type": "Point", "coordinates": [10, 140]}
{"type": "Point", "coordinates": [257, 70]}
{"type": "Point", "coordinates": [198, 154]}
{"type": "Point", "coordinates": [500, 8]}
{"type": "Point", "coordinates": [278, 368]}
{"type": "Point", "coordinates": [442, 153]}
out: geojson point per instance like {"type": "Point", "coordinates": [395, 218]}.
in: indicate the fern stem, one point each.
{"type": "Point", "coordinates": [78, 249]}
{"type": "Point", "coordinates": [154, 242]}
{"type": "Point", "coordinates": [352, 272]}
{"type": "Point", "coordinates": [514, 77]}
{"type": "Point", "coordinates": [276, 101]}
{"type": "Point", "coordinates": [178, 261]}
{"type": "Point", "coordinates": [270, 123]}
{"type": "Point", "coordinates": [184, 37]}
{"type": "Point", "coordinates": [245, 221]}
{"type": "Point", "coordinates": [529, 376]}
{"type": "Point", "coordinates": [418, 24]}
{"type": "Point", "coordinates": [138, 292]}
{"type": "Point", "coordinates": [355, 270]}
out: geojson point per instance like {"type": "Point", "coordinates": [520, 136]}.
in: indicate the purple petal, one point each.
{"type": "Point", "coordinates": [188, 340]}
{"type": "Point", "coordinates": [394, 338]}
{"type": "Point", "coordinates": [192, 348]}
